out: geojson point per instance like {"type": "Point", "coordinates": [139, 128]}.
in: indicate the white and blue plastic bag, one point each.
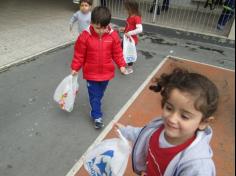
{"type": "Point", "coordinates": [66, 92]}
{"type": "Point", "coordinates": [110, 157]}
{"type": "Point", "coordinates": [129, 49]}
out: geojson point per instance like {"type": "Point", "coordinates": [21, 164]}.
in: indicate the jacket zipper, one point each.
{"type": "Point", "coordinates": [100, 54]}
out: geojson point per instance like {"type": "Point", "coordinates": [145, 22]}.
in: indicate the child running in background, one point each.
{"type": "Point", "coordinates": [178, 142]}
{"type": "Point", "coordinates": [83, 16]}
{"type": "Point", "coordinates": [95, 50]}
{"type": "Point", "coordinates": [133, 25]}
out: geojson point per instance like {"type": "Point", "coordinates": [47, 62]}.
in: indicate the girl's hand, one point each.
{"type": "Point", "coordinates": [123, 70]}
{"type": "Point", "coordinates": [73, 72]}
{"type": "Point", "coordinates": [117, 126]}
{"type": "Point", "coordinates": [122, 29]}
{"type": "Point", "coordinates": [127, 35]}
{"type": "Point", "coordinates": [143, 174]}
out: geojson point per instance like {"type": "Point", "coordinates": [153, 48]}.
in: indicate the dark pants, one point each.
{"type": "Point", "coordinates": [165, 6]}
{"type": "Point", "coordinates": [103, 2]}
{"type": "Point", "coordinates": [96, 91]}
{"type": "Point", "coordinates": [130, 64]}
{"type": "Point", "coordinates": [211, 3]}
{"type": "Point", "coordinates": [225, 16]}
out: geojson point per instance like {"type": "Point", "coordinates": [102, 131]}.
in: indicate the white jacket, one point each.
{"type": "Point", "coordinates": [195, 160]}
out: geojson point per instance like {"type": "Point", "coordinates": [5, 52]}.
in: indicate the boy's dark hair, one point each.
{"type": "Point", "coordinates": [90, 2]}
{"type": "Point", "coordinates": [101, 16]}
{"type": "Point", "coordinates": [206, 92]}
{"type": "Point", "coordinates": [132, 7]}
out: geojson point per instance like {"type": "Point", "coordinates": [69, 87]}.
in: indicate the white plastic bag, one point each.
{"type": "Point", "coordinates": [110, 157]}
{"type": "Point", "coordinates": [66, 92]}
{"type": "Point", "coordinates": [129, 49]}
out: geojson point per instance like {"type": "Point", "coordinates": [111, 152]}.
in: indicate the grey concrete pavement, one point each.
{"type": "Point", "coordinates": [31, 27]}
{"type": "Point", "coordinates": [36, 138]}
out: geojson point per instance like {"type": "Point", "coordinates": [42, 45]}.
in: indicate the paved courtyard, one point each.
{"type": "Point", "coordinates": [36, 138]}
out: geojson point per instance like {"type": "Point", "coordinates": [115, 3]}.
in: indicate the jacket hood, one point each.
{"type": "Point", "coordinates": [91, 31]}
{"type": "Point", "coordinates": [194, 155]}
{"type": "Point", "coordinates": [200, 148]}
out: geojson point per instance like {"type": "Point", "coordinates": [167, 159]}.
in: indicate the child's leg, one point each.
{"type": "Point", "coordinates": [225, 16]}
{"type": "Point", "coordinates": [130, 64]}
{"type": "Point", "coordinates": [165, 5]}
{"type": "Point", "coordinates": [130, 67]}
{"type": "Point", "coordinates": [151, 10]}
{"type": "Point", "coordinates": [96, 91]}
{"type": "Point", "coordinates": [104, 3]}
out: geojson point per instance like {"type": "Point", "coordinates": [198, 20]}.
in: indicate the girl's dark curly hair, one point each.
{"type": "Point", "coordinates": [201, 87]}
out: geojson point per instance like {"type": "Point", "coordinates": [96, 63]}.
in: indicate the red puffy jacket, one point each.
{"type": "Point", "coordinates": [96, 54]}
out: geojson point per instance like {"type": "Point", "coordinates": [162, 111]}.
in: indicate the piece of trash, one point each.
{"type": "Point", "coordinates": [18, 114]}
{"type": "Point", "coordinates": [171, 51]}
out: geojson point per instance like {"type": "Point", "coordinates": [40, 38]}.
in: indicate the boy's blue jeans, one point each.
{"type": "Point", "coordinates": [96, 91]}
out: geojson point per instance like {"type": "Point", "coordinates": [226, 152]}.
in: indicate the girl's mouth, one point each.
{"type": "Point", "coordinates": [171, 126]}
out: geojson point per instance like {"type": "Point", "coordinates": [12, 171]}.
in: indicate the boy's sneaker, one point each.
{"type": "Point", "coordinates": [128, 71]}
{"type": "Point", "coordinates": [98, 123]}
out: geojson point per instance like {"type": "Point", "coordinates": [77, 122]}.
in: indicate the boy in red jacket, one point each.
{"type": "Point", "coordinates": [95, 50]}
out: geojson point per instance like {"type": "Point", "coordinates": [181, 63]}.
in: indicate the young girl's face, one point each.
{"type": "Point", "coordinates": [181, 119]}
{"type": "Point", "coordinates": [85, 7]}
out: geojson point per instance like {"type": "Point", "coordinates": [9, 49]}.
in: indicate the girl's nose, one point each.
{"type": "Point", "coordinates": [173, 118]}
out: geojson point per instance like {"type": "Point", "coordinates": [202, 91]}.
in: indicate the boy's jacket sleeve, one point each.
{"type": "Point", "coordinates": [79, 52]}
{"type": "Point", "coordinates": [117, 51]}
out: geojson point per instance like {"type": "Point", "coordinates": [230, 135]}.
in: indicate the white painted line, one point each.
{"type": "Point", "coordinates": [108, 128]}
{"type": "Point", "coordinates": [169, 56]}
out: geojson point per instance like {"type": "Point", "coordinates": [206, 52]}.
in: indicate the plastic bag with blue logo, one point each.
{"type": "Point", "coordinates": [108, 158]}
{"type": "Point", "coordinates": [66, 92]}
{"type": "Point", "coordinates": [129, 49]}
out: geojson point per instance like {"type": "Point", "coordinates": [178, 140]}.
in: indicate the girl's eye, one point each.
{"type": "Point", "coordinates": [168, 108]}
{"type": "Point", "coordinates": [185, 117]}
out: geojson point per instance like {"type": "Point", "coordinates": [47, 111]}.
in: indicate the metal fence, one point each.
{"type": "Point", "coordinates": [200, 16]}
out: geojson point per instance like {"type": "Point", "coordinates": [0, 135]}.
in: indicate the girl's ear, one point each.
{"type": "Point", "coordinates": [204, 124]}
